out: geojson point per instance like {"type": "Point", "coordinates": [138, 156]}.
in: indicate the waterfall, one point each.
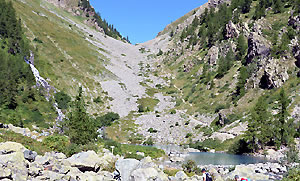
{"type": "Point", "coordinates": [41, 82]}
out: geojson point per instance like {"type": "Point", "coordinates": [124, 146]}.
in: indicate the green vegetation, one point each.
{"type": "Point", "coordinates": [225, 64]}
{"type": "Point", "coordinates": [27, 142]}
{"type": "Point", "coordinates": [108, 29]}
{"type": "Point", "coordinates": [62, 99]}
{"type": "Point", "coordinates": [129, 151]}
{"type": "Point", "coordinates": [171, 172]}
{"type": "Point", "coordinates": [57, 142]}
{"type": "Point", "coordinates": [107, 119]}
{"type": "Point", "coordinates": [80, 128]}
{"type": "Point", "coordinates": [265, 129]}
{"type": "Point", "coordinates": [293, 174]}
{"type": "Point", "coordinates": [147, 104]}
{"type": "Point", "coordinates": [190, 168]}
{"type": "Point", "coordinates": [151, 130]}
{"type": "Point", "coordinates": [20, 103]}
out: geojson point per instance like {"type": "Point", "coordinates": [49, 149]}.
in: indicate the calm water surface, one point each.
{"type": "Point", "coordinates": [205, 158]}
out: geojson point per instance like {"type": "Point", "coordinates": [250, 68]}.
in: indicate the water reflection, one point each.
{"type": "Point", "coordinates": [204, 158]}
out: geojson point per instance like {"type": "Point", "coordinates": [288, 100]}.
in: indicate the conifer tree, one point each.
{"type": "Point", "coordinates": [79, 126]}
{"type": "Point", "coordinates": [284, 125]}
{"type": "Point", "coordinates": [278, 6]}
{"type": "Point", "coordinates": [242, 47]}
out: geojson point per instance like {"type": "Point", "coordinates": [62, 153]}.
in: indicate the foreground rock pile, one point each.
{"type": "Point", "coordinates": [21, 164]}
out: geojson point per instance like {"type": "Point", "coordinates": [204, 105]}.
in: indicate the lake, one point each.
{"type": "Point", "coordinates": [206, 158]}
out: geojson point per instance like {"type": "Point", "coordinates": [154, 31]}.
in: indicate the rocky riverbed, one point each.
{"type": "Point", "coordinates": [19, 163]}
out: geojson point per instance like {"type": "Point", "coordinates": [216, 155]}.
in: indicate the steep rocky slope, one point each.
{"type": "Point", "coordinates": [195, 57]}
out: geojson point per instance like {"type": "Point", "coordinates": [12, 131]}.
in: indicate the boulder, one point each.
{"type": "Point", "coordinates": [181, 175]}
{"type": "Point", "coordinates": [125, 167]}
{"type": "Point", "coordinates": [144, 174]}
{"type": "Point", "coordinates": [9, 147]}
{"type": "Point", "coordinates": [248, 172]}
{"type": "Point", "coordinates": [5, 173]}
{"type": "Point", "coordinates": [16, 158]}
{"type": "Point", "coordinates": [30, 155]}
{"type": "Point", "coordinates": [85, 161]}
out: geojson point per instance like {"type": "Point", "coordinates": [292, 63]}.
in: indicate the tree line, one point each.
{"type": "Point", "coordinates": [108, 29]}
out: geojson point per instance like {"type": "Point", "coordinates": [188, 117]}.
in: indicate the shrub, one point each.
{"type": "Point", "coordinates": [72, 149]}
{"type": "Point", "coordinates": [191, 168]}
{"type": "Point", "coordinates": [107, 119]}
{"type": "Point", "coordinates": [149, 141]}
{"type": "Point", "coordinates": [57, 142]}
{"type": "Point", "coordinates": [173, 111]}
{"type": "Point", "coordinates": [171, 172]}
{"type": "Point", "coordinates": [98, 100]}
{"type": "Point", "coordinates": [198, 126]}
{"type": "Point", "coordinates": [293, 174]}
{"type": "Point", "coordinates": [239, 147]}
{"type": "Point", "coordinates": [62, 99]}
{"type": "Point", "coordinates": [151, 130]}
{"type": "Point", "coordinates": [133, 155]}
{"type": "Point", "coordinates": [188, 135]}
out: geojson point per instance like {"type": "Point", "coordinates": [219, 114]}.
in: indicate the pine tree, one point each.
{"type": "Point", "coordinates": [258, 132]}
{"type": "Point", "coordinates": [278, 6]}
{"type": "Point", "coordinates": [242, 47]}
{"type": "Point", "coordinates": [240, 87]}
{"type": "Point", "coordinates": [79, 126]}
{"type": "Point", "coordinates": [284, 124]}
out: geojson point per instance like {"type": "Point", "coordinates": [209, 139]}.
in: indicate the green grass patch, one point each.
{"type": "Point", "coordinates": [147, 104]}
{"type": "Point", "coordinates": [27, 142]}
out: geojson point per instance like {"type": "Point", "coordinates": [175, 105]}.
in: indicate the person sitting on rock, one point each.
{"type": "Point", "coordinates": [237, 178]}
{"type": "Point", "coordinates": [206, 176]}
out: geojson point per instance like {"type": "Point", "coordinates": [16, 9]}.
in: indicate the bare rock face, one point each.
{"type": "Point", "coordinates": [213, 54]}
{"type": "Point", "coordinates": [93, 23]}
{"type": "Point", "coordinates": [256, 48]}
{"type": "Point", "coordinates": [296, 53]}
{"type": "Point", "coordinates": [232, 30]}
{"type": "Point", "coordinates": [274, 75]}
{"type": "Point", "coordinates": [215, 3]}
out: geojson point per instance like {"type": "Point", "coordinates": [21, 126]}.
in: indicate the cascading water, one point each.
{"type": "Point", "coordinates": [41, 82]}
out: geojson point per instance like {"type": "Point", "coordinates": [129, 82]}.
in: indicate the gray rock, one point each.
{"type": "Point", "coordinates": [85, 161]}
{"type": "Point", "coordinates": [181, 175]}
{"type": "Point", "coordinates": [125, 167]}
{"type": "Point", "coordinates": [231, 30]}
{"type": "Point", "coordinates": [256, 47]}
{"type": "Point", "coordinates": [144, 174]}
{"type": "Point", "coordinates": [30, 155]}
{"type": "Point", "coordinates": [5, 173]}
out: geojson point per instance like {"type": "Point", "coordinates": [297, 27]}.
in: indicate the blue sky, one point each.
{"type": "Point", "coordinates": [141, 20]}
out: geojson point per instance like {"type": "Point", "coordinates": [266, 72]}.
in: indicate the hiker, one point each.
{"type": "Point", "coordinates": [237, 178]}
{"type": "Point", "coordinates": [206, 176]}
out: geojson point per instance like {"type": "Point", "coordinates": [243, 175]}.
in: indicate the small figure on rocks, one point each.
{"type": "Point", "coordinates": [206, 176]}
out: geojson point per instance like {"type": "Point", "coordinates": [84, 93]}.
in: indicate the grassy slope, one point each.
{"type": "Point", "coordinates": [64, 56]}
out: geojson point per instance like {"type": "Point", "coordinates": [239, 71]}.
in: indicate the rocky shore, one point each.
{"type": "Point", "coordinates": [19, 163]}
